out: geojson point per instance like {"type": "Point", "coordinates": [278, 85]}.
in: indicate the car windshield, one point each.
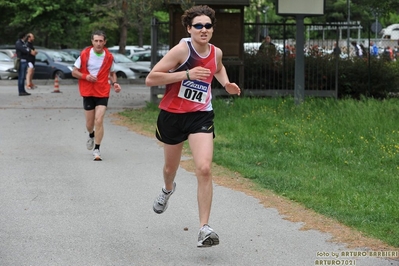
{"type": "Point", "coordinates": [60, 56]}
{"type": "Point", "coordinates": [5, 58]}
{"type": "Point", "coordinates": [119, 58]}
{"type": "Point", "coordinates": [141, 57]}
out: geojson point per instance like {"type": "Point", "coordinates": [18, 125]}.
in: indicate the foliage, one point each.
{"type": "Point", "coordinates": [357, 77]}
{"type": "Point", "coordinates": [69, 24]}
{"type": "Point", "coordinates": [48, 20]}
{"type": "Point", "coordinates": [378, 79]}
{"type": "Point", "coordinates": [116, 16]}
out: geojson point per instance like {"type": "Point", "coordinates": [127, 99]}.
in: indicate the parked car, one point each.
{"type": "Point", "coordinates": [121, 71]}
{"type": "Point", "coordinates": [7, 70]}
{"type": "Point", "coordinates": [129, 49]}
{"type": "Point", "coordinates": [74, 52]}
{"type": "Point", "coordinates": [139, 70]}
{"type": "Point", "coordinates": [144, 58]}
{"type": "Point", "coordinates": [52, 63]}
{"type": "Point", "coordinates": [10, 52]}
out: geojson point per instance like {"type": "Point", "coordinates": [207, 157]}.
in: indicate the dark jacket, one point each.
{"type": "Point", "coordinates": [23, 51]}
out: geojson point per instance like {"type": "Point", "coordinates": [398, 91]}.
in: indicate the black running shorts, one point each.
{"type": "Point", "coordinates": [174, 128]}
{"type": "Point", "coordinates": [89, 103]}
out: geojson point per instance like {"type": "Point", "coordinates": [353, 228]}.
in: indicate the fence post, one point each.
{"type": "Point", "coordinates": [299, 90]}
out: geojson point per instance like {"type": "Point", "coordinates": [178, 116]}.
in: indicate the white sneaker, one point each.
{"type": "Point", "coordinates": [97, 155]}
{"type": "Point", "coordinates": [207, 237]}
{"type": "Point", "coordinates": [161, 202]}
{"type": "Point", "coordinates": [90, 143]}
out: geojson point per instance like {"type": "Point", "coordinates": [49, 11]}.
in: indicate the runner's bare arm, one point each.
{"type": "Point", "coordinates": [221, 75]}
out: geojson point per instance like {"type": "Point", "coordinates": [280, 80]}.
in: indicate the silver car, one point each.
{"type": "Point", "coordinates": [139, 70]}
{"type": "Point", "coordinates": [7, 70]}
{"type": "Point", "coordinates": [10, 52]}
{"type": "Point", "coordinates": [123, 72]}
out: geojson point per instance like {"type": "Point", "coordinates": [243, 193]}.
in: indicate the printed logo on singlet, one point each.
{"type": "Point", "coordinates": [194, 90]}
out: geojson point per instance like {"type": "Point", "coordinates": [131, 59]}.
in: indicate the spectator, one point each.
{"type": "Point", "coordinates": [364, 50]}
{"type": "Point", "coordinates": [358, 49]}
{"type": "Point", "coordinates": [388, 54]}
{"type": "Point", "coordinates": [373, 49]}
{"type": "Point", "coordinates": [336, 49]}
{"type": "Point", "coordinates": [30, 38]}
{"type": "Point", "coordinates": [267, 47]}
{"type": "Point", "coordinates": [23, 52]}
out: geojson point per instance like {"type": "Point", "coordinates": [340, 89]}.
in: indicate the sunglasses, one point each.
{"type": "Point", "coordinates": [199, 26]}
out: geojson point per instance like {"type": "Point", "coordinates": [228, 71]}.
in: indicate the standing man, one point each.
{"type": "Point", "coordinates": [267, 47]}
{"type": "Point", "coordinates": [31, 61]}
{"type": "Point", "coordinates": [23, 52]}
{"type": "Point", "coordinates": [186, 111]}
{"type": "Point", "coordinates": [95, 68]}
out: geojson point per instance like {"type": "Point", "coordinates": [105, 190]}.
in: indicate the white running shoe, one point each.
{"type": "Point", "coordinates": [90, 143]}
{"type": "Point", "coordinates": [161, 202]}
{"type": "Point", "coordinates": [207, 237]}
{"type": "Point", "coordinates": [97, 155]}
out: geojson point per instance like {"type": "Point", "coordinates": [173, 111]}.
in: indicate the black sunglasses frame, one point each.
{"type": "Point", "coordinates": [199, 26]}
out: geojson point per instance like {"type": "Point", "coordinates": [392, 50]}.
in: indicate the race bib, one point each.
{"type": "Point", "coordinates": [194, 90]}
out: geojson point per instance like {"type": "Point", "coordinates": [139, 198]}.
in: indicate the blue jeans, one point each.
{"type": "Point", "coordinates": [22, 76]}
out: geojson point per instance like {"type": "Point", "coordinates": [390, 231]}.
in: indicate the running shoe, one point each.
{"type": "Point", "coordinates": [90, 143]}
{"type": "Point", "coordinates": [97, 155]}
{"type": "Point", "coordinates": [207, 237]}
{"type": "Point", "coordinates": [161, 202]}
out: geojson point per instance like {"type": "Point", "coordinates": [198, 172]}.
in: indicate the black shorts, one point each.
{"type": "Point", "coordinates": [89, 103]}
{"type": "Point", "coordinates": [174, 128]}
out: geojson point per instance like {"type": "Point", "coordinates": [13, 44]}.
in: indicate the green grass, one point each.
{"type": "Point", "coordinates": [339, 158]}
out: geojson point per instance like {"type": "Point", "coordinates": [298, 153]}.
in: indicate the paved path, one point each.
{"type": "Point", "coordinates": [58, 207]}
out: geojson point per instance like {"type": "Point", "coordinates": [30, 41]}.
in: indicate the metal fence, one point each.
{"type": "Point", "coordinates": [273, 73]}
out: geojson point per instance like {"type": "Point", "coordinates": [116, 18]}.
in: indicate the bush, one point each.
{"type": "Point", "coordinates": [375, 78]}
{"type": "Point", "coordinates": [357, 77]}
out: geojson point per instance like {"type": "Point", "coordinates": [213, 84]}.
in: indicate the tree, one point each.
{"type": "Point", "coordinates": [51, 21]}
{"type": "Point", "coordinates": [385, 7]}
{"type": "Point", "coordinates": [124, 15]}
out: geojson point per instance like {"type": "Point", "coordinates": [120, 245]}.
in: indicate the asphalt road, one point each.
{"type": "Point", "coordinates": [58, 207]}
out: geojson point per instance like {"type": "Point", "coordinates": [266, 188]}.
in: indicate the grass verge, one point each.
{"type": "Point", "coordinates": [338, 158]}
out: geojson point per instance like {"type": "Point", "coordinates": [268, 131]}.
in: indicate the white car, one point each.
{"type": "Point", "coordinates": [129, 50]}
{"type": "Point", "coordinates": [10, 52]}
{"type": "Point", "coordinates": [139, 70]}
{"type": "Point", "coordinates": [123, 72]}
{"type": "Point", "coordinates": [144, 58]}
{"type": "Point", "coordinates": [7, 70]}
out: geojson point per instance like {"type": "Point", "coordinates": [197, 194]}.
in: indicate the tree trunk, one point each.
{"type": "Point", "coordinates": [140, 33]}
{"type": "Point", "coordinates": [123, 36]}
{"type": "Point", "coordinates": [123, 27]}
